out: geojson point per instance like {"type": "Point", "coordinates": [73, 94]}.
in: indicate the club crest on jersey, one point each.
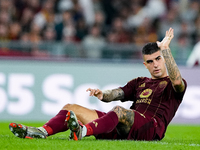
{"type": "Point", "coordinates": [146, 93]}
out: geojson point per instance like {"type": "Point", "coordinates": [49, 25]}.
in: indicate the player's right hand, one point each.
{"type": "Point", "coordinates": [164, 44]}
{"type": "Point", "coordinates": [95, 92]}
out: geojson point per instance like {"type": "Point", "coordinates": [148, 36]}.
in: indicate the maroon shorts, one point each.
{"type": "Point", "coordinates": [144, 128]}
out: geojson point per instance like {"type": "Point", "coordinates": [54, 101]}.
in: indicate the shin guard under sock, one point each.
{"type": "Point", "coordinates": [104, 124]}
{"type": "Point", "coordinates": [57, 123]}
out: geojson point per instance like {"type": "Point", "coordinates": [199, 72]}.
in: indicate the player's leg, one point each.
{"type": "Point", "coordinates": [118, 117]}
{"type": "Point", "coordinates": [83, 114]}
{"type": "Point", "coordinates": [54, 125]}
{"type": "Point", "coordinates": [58, 123]}
{"type": "Point", "coordinates": [144, 128]}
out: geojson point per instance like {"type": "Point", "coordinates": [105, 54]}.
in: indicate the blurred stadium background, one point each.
{"type": "Point", "coordinates": [51, 51]}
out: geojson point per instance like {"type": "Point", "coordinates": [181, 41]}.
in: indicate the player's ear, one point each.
{"type": "Point", "coordinates": [145, 64]}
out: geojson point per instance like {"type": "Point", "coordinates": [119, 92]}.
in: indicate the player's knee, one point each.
{"type": "Point", "coordinates": [117, 109]}
{"type": "Point", "coordinates": [67, 107]}
{"type": "Point", "coordinates": [70, 107]}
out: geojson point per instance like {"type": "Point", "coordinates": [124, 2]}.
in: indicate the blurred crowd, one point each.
{"type": "Point", "coordinates": [95, 23]}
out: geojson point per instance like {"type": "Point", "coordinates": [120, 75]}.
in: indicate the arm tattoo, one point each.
{"type": "Point", "coordinates": [173, 71]}
{"type": "Point", "coordinates": [112, 95]}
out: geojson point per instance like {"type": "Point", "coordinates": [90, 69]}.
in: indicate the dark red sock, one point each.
{"type": "Point", "coordinates": [57, 123]}
{"type": "Point", "coordinates": [104, 124]}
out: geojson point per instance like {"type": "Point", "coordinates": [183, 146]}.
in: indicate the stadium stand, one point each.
{"type": "Point", "coordinates": [61, 28]}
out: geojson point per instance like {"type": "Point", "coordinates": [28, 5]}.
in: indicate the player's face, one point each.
{"type": "Point", "coordinates": [155, 63]}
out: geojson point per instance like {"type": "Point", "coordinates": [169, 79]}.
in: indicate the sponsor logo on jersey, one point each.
{"type": "Point", "coordinates": [144, 100]}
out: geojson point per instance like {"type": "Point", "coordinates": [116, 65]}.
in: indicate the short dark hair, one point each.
{"type": "Point", "coordinates": [150, 48]}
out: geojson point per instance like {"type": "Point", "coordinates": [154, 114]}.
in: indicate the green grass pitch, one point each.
{"type": "Point", "coordinates": [178, 137]}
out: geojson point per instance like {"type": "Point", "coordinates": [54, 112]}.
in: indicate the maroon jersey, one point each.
{"type": "Point", "coordinates": [154, 98]}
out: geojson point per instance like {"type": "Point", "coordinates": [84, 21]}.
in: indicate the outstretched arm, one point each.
{"type": "Point", "coordinates": [107, 95]}
{"type": "Point", "coordinates": [172, 68]}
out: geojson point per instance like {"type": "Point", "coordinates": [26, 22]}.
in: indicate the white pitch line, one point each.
{"type": "Point", "coordinates": [192, 144]}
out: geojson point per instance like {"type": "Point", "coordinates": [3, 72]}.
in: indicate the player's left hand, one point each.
{"type": "Point", "coordinates": [164, 44]}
